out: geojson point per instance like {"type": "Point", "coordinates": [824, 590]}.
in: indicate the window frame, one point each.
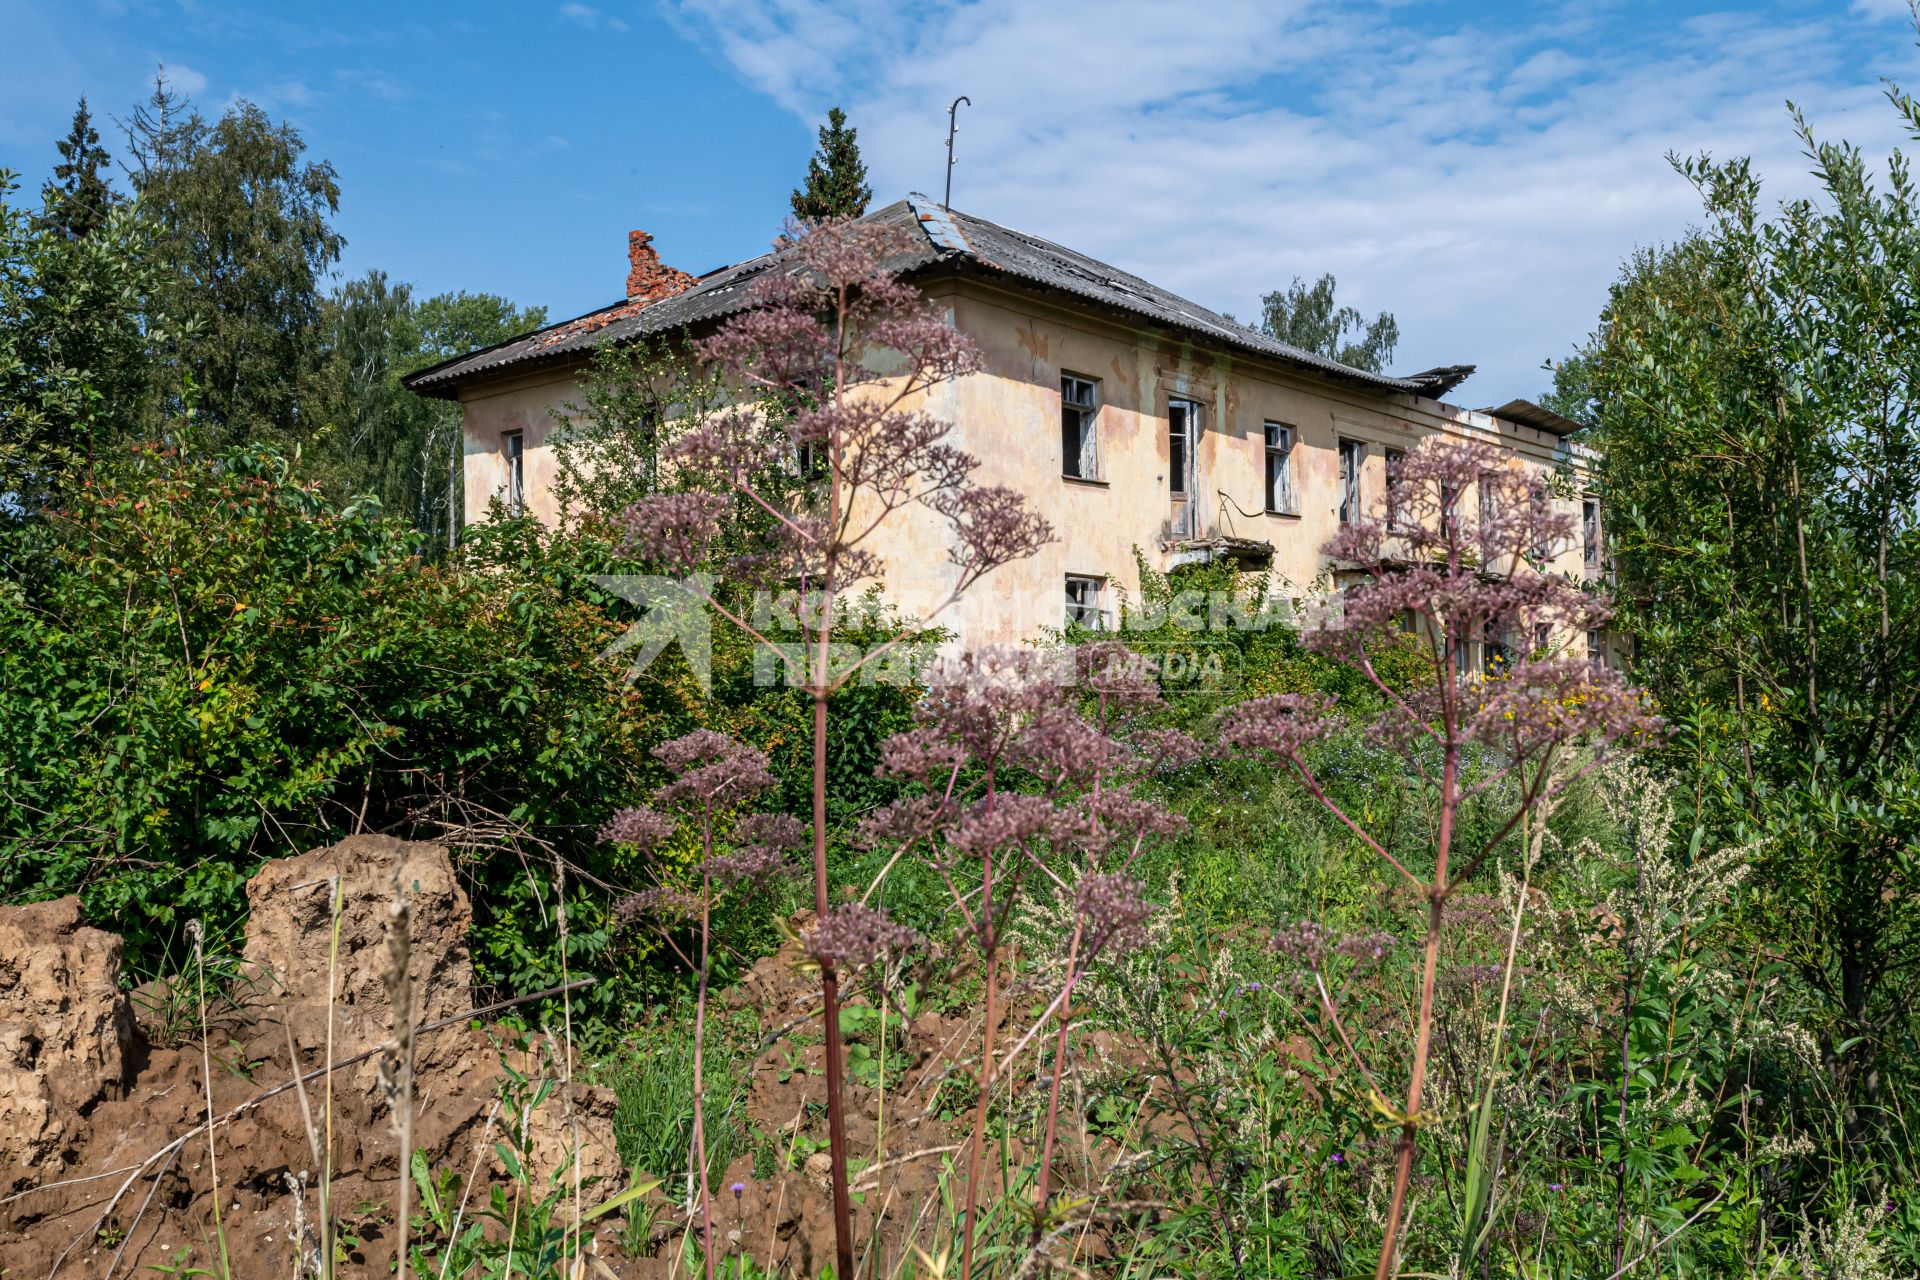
{"type": "Point", "coordinates": [1073, 462]}
{"type": "Point", "coordinates": [1542, 500]}
{"type": "Point", "coordinates": [1390, 459]}
{"type": "Point", "coordinates": [1095, 607]}
{"type": "Point", "coordinates": [513, 451]}
{"type": "Point", "coordinates": [1280, 439]}
{"type": "Point", "coordinates": [1352, 458]}
{"type": "Point", "coordinates": [1486, 499]}
{"type": "Point", "coordinates": [1183, 464]}
{"type": "Point", "coordinates": [1590, 536]}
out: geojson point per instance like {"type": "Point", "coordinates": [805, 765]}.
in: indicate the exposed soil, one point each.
{"type": "Point", "coordinates": [108, 1155]}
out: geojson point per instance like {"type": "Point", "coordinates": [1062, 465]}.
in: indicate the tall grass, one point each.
{"type": "Point", "coordinates": [651, 1075]}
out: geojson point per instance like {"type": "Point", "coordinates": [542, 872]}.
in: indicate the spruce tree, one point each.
{"type": "Point", "coordinates": [836, 177]}
{"type": "Point", "coordinates": [78, 198]}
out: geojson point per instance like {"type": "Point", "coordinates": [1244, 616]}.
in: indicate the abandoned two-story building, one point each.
{"type": "Point", "coordinates": [1132, 419]}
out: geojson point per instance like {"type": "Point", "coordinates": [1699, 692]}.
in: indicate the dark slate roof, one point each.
{"type": "Point", "coordinates": [948, 241]}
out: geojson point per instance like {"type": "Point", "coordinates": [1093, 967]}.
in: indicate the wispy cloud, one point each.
{"type": "Point", "coordinates": [377, 83]}
{"type": "Point", "coordinates": [590, 18]}
{"type": "Point", "coordinates": [1482, 181]}
{"type": "Point", "coordinates": [183, 77]}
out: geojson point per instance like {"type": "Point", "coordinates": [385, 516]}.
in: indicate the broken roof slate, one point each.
{"type": "Point", "coordinates": [949, 240]}
{"type": "Point", "coordinates": [1539, 417]}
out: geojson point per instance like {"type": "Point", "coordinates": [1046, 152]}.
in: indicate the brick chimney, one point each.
{"type": "Point", "coordinates": [647, 277]}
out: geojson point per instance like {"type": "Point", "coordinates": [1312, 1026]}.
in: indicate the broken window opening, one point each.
{"type": "Point", "coordinates": [1079, 427]}
{"type": "Point", "coordinates": [1183, 437]}
{"type": "Point", "coordinates": [514, 447]}
{"type": "Point", "coordinates": [1351, 454]}
{"type": "Point", "coordinates": [1279, 486]}
{"type": "Point", "coordinates": [1395, 494]}
{"type": "Point", "coordinates": [1086, 602]}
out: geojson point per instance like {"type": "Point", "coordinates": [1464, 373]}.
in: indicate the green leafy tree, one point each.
{"type": "Point", "coordinates": [74, 334]}
{"type": "Point", "coordinates": [372, 435]}
{"type": "Point", "coordinates": [368, 428]}
{"type": "Point", "coordinates": [836, 185]}
{"type": "Point", "coordinates": [1305, 316]}
{"type": "Point", "coordinates": [241, 228]}
{"type": "Point", "coordinates": [369, 432]}
{"type": "Point", "coordinates": [79, 197]}
{"type": "Point", "coordinates": [1752, 391]}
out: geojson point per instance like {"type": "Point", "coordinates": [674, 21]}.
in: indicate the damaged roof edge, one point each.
{"type": "Point", "coordinates": [952, 241]}
{"type": "Point", "coordinates": [429, 381]}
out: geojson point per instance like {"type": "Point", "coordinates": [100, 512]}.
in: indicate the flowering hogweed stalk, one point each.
{"type": "Point", "coordinates": [853, 934]}
{"type": "Point", "coordinates": [1463, 554]}
{"type": "Point", "coordinates": [982, 717]}
{"type": "Point", "coordinates": [1114, 912]}
{"type": "Point", "coordinates": [712, 774]}
{"type": "Point", "coordinates": [799, 358]}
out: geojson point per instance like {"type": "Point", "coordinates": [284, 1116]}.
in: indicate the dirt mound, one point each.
{"type": "Point", "coordinates": [66, 1035]}
{"type": "Point", "coordinates": [114, 1165]}
{"type": "Point", "coordinates": [104, 1143]}
{"type": "Point", "coordinates": [297, 965]}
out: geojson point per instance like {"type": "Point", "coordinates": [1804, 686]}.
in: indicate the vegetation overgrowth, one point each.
{"type": "Point", "coordinates": [1347, 960]}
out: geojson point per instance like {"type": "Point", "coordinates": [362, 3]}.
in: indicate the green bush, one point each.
{"type": "Point", "coordinates": [207, 663]}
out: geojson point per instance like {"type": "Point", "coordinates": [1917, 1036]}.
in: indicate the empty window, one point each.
{"type": "Point", "coordinates": [809, 459]}
{"type": "Point", "coordinates": [1495, 650]}
{"type": "Point", "coordinates": [1351, 452]}
{"type": "Point", "coordinates": [1449, 508]}
{"type": "Point", "coordinates": [1079, 427]}
{"type": "Point", "coordinates": [1542, 509]}
{"type": "Point", "coordinates": [796, 397]}
{"type": "Point", "coordinates": [1182, 418]}
{"type": "Point", "coordinates": [1596, 649]}
{"type": "Point", "coordinates": [1395, 493]}
{"type": "Point", "coordinates": [1490, 541]}
{"type": "Point", "coordinates": [514, 446]}
{"type": "Point", "coordinates": [1279, 487]}
{"type": "Point", "coordinates": [1590, 536]}
{"type": "Point", "coordinates": [1086, 606]}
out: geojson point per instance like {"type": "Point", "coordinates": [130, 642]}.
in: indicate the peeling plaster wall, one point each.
{"type": "Point", "coordinates": [491, 411]}
{"type": "Point", "coordinates": [1008, 416]}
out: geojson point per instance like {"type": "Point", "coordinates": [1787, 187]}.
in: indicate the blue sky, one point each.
{"type": "Point", "coordinates": [1479, 169]}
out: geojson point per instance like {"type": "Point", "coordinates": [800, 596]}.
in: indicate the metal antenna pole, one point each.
{"type": "Point", "coordinates": [953, 123]}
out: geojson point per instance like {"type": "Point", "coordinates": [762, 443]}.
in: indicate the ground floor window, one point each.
{"type": "Point", "coordinates": [1086, 602]}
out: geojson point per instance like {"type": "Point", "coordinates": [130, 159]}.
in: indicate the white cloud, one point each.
{"type": "Point", "coordinates": [1484, 183]}
{"type": "Point", "coordinates": [377, 83]}
{"type": "Point", "coordinates": [184, 78]}
{"type": "Point", "coordinates": [1881, 9]}
{"type": "Point", "coordinates": [590, 18]}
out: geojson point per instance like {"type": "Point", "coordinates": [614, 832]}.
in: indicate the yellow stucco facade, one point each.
{"type": "Point", "coordinates": [1008, 416]}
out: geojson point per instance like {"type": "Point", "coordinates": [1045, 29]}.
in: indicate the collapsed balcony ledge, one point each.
{"type": "Point", "coordinates": [1246, 551]}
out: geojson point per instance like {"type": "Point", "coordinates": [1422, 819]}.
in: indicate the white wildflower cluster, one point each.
{"type": "Point", "coordinates": [1845, 1246]}
{"type": "Point", "coordinates": [1782, 1146]}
